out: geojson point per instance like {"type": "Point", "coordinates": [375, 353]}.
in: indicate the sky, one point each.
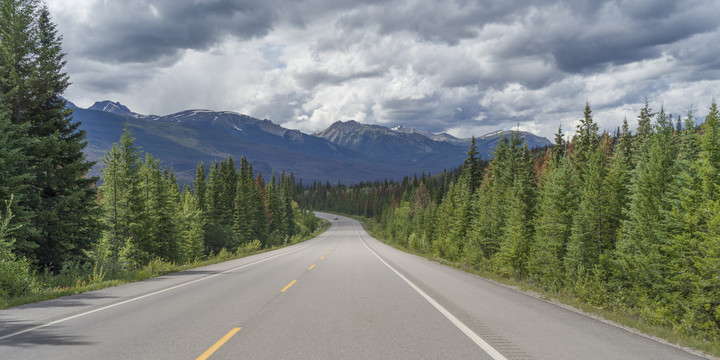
{"type": "Point", "coordinates": [462, 67]}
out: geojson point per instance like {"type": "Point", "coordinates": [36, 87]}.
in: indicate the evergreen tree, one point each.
{"type": "Point", "coordinates": [120, 201]}
{"type": "Point", "coordinates": [643, 245]}
{"type": "Point", "coordinates": [557, 205]}
{"type": "Point", "coordinates": [243, 222]}
{"type": "Point", "coordinates": [61, 198]}
{"type": "Point", "coordinates": [15, 174]}
{"type": "Point", "coordinates": [19, 42]}
{"type": "Point", "coordinates": [644, 130]}
{"type": "Point", "coordinates": [200, 185]}
{"type": "Point", "coordinates": [473, 165]}
{"type": "Point", "coordinates": [585, 142]}
{"type": "Point", "coordinates": [592, 235]}
{"type": "Point", "coordinates": [218, 227]}
{"type": "Point", "coordinates": [191, 228]}
{"type": "Point", "coordinates": [517, 233]}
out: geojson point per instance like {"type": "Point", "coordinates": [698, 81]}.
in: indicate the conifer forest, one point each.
{"type": "Point", "coordinates": [56, 222]}
{"type": "Point", "coordinates": [623, 221]}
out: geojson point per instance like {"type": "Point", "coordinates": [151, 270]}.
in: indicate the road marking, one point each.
{"type": "Point", "coordinates": [322, 257]}
{"type": "Point", "coordinates": [318, 239]}
{"type": "Point", "coordinates": [288, 285]}
{"type": "Point", "coordinates": [466, 330]}
{"type": "Point", "coordinates": [311, 266]}
{"type": "Point", "coordinates": [218, 344]}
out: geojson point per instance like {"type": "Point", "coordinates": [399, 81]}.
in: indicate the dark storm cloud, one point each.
{"type": "Point", "coordinates": [141, 31]}
{"type": "Point", "coordinates": [638, 33]}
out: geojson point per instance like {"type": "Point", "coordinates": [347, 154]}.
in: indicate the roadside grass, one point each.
{"type": "Point", "coordinates": [79, 280]}
{"type": "Point", "coordinates": [628, 322]}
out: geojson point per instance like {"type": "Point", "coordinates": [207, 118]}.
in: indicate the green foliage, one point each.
{"type": "Point", "coordinates": [557, 205]}
{"type": "Point", "coordinates": [17, 279]}
{"type": "Point", "coordinates": [630, 224]}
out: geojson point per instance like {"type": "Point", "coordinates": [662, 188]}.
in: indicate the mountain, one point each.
{"type": "Point", "coordinates": [532, 140]}
{"type": "Point", "coordinates": [348, 152]}
{"type": "Point", "coordinates": [408, 144]}
{"type": "Point", "coordinates": [117, 109]}
{"type": "Point", "coordinates": [385, 144]}
{"type": "Point", "coordinates": [184, 139]}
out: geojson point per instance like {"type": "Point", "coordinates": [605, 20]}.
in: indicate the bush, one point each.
{"type": "Point", "coordinates": [249, 247]}
{"type": "Point", "coordinates": [17, 279]}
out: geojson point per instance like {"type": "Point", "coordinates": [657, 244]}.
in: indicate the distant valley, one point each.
{"type": "Point", "coordinates": [347, 152]}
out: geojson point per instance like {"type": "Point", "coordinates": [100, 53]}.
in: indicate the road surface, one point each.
{"type": "Point", "coordinates": [342, 295]}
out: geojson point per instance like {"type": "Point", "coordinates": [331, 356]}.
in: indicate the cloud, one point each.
{"type": "Point", "coordinates": [461, 66]}
{"type": "Point", "coordinates": [142, 31]}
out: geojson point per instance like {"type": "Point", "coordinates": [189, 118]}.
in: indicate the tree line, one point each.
{"type": "Point", "coordinates": [54, 219]}
{"type": "Point", "coordinates": [628, 222]}
{"type": "Point", "coordinates": [146, 215]}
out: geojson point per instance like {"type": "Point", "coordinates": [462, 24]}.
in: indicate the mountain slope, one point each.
{"type": "Point", "coordinates": [348, 152]}
{"type": "Point", "coordinates": [182, 146]}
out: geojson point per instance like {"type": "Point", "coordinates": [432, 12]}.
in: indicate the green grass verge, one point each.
{"type": "Point", "coordinates": [89, 282]}
{"type": "Point", "coordinates": [634, 324]}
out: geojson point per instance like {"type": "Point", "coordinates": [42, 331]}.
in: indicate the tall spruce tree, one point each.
{"type": "Point", "coordinates": [643, 244]}
{"type": "Point", "coordinates": [191, 228]}
{"type": "Point", "coordinates": [200, 185]}
{"type": "Point", "coordinates": [19, 42]}
{"type": "Point", "coordinates": [517, 234]}
{"type": "Point", "coordinates": [16, 172]}
{"type": "Point", "coordinates": [120, 202]}
{"type": "Point", "coordinates": [61, 197]}
{"type": "Point", "coordinates": [557, 205]}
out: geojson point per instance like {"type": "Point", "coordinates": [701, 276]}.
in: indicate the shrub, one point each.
{"type": "Point", "coordinates": [17, 279]}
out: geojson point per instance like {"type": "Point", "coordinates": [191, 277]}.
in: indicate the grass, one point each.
{"type": "Point", "coordinates": [660, 333]}
{"type": "Point", "coordinates": [78, 280]}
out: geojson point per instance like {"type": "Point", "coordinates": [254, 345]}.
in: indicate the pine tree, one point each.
{"type": "Point", "coordinates": [120, 201]}
{"type": "Point", "coordinates": [618, 180]}
{"type": "Point", "coordinates": [200, 185]}
{"type": "Point", "coordinates": [19, 41]}
{"type": "Point", "coordinates": [191, 228]}
{"type": "Point", "coordinates": [557, 205]}
{"type": "Point", "coordinates": [218, 233]}
{"type": "Point", "coordinates": [473, 164]}
{"type": "Point", "coordinates": [643, 245]}
{"type": "Point", "coordinates": [15, 174]}
{"type": "Point", "coordinates": [61, 197]}
{"type": "Point", "coordinates": [259, 210]}
{"type": "Point", "coordinates": [517, 233]}
{"type": "Point", "coordinates": [644, 130]}
{"type": "Point", "coordinates": [243, 222]}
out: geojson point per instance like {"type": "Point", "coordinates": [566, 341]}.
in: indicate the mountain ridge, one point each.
{"type": "Point", "coordinates": [347, 152]}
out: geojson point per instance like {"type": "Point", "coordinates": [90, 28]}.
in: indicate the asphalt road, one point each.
{"type": "Point", "coordinates": [342, 295]}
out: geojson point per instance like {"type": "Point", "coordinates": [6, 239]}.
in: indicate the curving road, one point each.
{"type": "Point", "coordinates": [342, 295]}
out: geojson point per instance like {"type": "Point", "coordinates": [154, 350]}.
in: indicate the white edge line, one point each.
{"type": "Point", "coordinates": [466, 330]}
{"type": "Point", "coordinates": [154, 293]}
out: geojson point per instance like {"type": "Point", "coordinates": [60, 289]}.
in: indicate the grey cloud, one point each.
{"type": "Point", "coordinates": [282, 108]}
{"type": "Point", "coordinates": [129, 31]}
{"type": "Point", "coordinates": [311, 79]}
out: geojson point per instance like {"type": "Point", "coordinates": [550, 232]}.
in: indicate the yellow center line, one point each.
{"type": "Point", "coordinates": [311, 266]}
{"type": "Point", "coordinates": [322, 257]}
{"type": "Point", "coordinates": [288, 286]}
{"type": "Point", "coordinates": [328, 252]}
{"type": "Point", "coordinates": [218, 344]}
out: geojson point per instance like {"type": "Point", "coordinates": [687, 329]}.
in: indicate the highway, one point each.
{"type": "Point", "coordinates": [341, 295]}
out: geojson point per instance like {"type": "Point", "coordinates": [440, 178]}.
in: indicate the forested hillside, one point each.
{"type": "Point", "coordinates": [628, 222]}
{"type": "Point", "coordinates": [58, 228]}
